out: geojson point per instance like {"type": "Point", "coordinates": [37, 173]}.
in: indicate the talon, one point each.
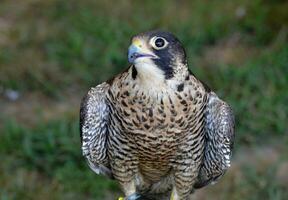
{"type": "Point", "coordinates": [134, 197]}
{"type": "Point", "coordinates": [121, 198]}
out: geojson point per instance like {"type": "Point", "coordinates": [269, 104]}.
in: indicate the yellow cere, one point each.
{"type": "Point", "coordinates": [121, 198]}
{"type": "Point", "coordinates": [137, 42]}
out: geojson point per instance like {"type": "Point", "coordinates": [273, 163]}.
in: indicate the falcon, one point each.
{"type": "Point", "coordinates": [155, 127]}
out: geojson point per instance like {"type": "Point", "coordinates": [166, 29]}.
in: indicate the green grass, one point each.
{"type": "Point", "coordinates": [257, 92]}
{"type": "Point", "coordinates": [49, 154]}
{"type": "Point", "coordinates": [60, 42]}
{"type": "Point", "coordinates": [253, 185]}
{"type": "Point", "coordinates": [59, 49]}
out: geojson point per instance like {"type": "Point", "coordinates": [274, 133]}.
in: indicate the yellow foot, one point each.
{"type": "Point", "coordinates": [172, 195]}
{"type": "Point", "coordinates": [131, 197]}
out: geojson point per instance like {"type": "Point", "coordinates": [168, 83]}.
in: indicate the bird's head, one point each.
{"type": "Point", "coordinates": [157, 54]}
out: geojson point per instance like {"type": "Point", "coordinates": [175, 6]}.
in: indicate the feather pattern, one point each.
{"type": "Point", "coordinates": [93, 129]}
{"type": "Point", "coordinates": [155, 133]}
{"type": "Point", "coordinates": [219, 137]}
{"type": "Point", "coordinates": [156, 128]}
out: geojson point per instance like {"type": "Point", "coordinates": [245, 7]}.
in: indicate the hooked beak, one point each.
{"type": "Point", "coordinates": [136, 51]}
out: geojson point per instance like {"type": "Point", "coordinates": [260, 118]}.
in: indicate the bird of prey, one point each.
{"type": "Point", "coordinates": [155, 127]}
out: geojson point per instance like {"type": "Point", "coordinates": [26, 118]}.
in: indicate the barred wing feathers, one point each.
{"type": "Point", "coordinates": [219, 138]}
{"type": "Point", "coordinates": [94, 114]}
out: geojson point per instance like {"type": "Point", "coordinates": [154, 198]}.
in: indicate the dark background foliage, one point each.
{"type": "Point", "coordinates": [52, 52]}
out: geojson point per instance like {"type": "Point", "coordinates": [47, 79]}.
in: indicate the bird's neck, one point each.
{"type": "Point", "coordinates": [150, 77]}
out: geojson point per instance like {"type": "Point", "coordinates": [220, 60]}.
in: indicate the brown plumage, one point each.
{"type": "Point", "coordinates": [156, 128]}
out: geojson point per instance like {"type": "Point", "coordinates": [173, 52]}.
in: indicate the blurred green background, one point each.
{"type": "Point", "coordinates": [53, 51]}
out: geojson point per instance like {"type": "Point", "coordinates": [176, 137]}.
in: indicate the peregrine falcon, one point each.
{"type": "Point", "coordinates": [155, 127]}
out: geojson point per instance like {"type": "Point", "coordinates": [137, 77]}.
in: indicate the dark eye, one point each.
{"type": "Point", "coordinates": [158, 43]}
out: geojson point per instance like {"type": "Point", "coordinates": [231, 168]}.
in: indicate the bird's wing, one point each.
{"type": "Point", "coordinates": [93, 129]}
{"type": "Point", "coordinates": [219, 139]}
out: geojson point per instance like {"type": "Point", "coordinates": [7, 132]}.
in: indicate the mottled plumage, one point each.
{"type": "Point", "coordinates": [156, 128]}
